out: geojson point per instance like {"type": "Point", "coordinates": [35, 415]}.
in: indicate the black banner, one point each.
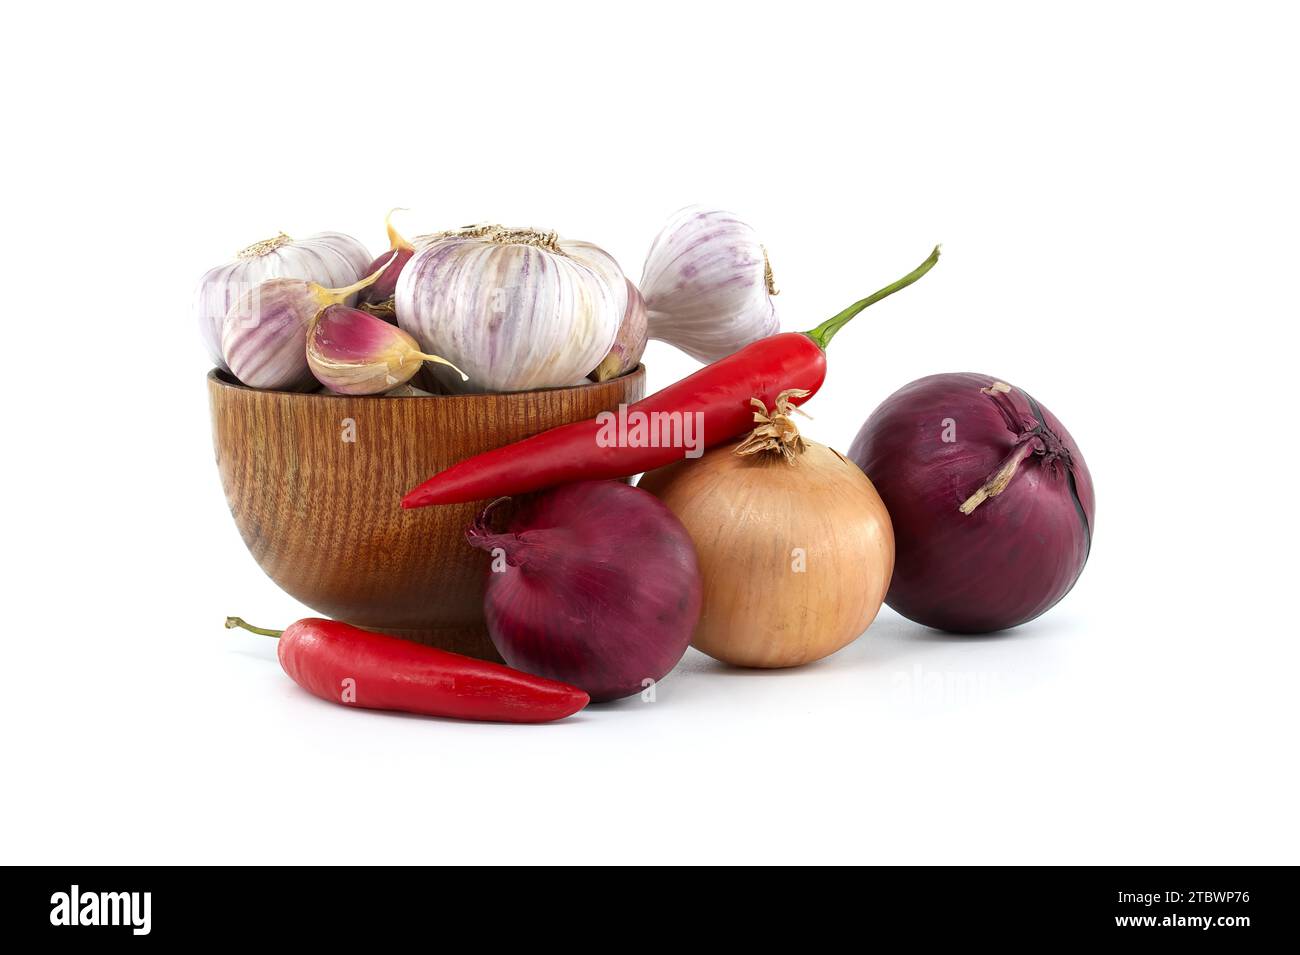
{"type": "Point", "coordinates": [136, 906]}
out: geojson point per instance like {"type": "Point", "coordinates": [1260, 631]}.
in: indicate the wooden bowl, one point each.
{"type": "Point", "coordinates": [314, 481]}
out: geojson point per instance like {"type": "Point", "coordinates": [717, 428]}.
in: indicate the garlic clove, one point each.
{"type": "Point", "coordinates": [708, 285]}
{"type": "Point", "coordinates": [629, 345]}
{"type": "Point", "coordinates": [378, 299]}
{"type": "Point", "coordinates": [353, 352]}
{"type": "Point", "coordinates": [264, 335]}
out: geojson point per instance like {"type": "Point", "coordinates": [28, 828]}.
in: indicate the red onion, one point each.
{"type": "Point", "coordinates": [596, 584]}
{"type": "Point", "coordinates": [991, 501]}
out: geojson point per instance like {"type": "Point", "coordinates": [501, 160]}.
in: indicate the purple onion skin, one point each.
{"type": "Point", "coordinates": [1016, 554]}
{"type": "Point", "coordinates": [385, 286]}
{"type": "Point", "coordinates": [600, 588]}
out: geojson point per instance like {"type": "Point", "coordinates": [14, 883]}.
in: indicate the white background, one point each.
{"type": "Point", "coordinates": [1115, 188]}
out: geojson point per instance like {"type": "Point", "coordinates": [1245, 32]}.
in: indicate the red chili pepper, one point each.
{"type": "Point", "coordinates": [720, 391]}
{"type": "Point", "coordinates": [344, 664]}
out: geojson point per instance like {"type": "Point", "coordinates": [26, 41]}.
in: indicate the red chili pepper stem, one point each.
{"type": "Point", "coordinates": [233, 622]}
{"type": "Point", "coordinates": [824, 332]}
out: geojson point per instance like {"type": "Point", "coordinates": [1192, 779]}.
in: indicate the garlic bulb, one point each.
{"type": "Point", "coordinates": [331, 259]}
{"type": "Point", "coordinates": [707, 285]}
{"type": "Point", "coordinates": [264, 335]}
{"type": "Point", "coordinates": [629, 345]}
{"type": "Point", "coordinates": [515, 309]}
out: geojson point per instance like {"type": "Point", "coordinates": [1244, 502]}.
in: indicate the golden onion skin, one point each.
{"type": "Point", "coordinates": [795, 556]}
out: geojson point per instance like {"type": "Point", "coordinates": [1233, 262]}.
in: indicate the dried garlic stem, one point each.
{"type": "Point", "coordinates": [442, 361]}
{"type": "Point", "coordinates": [264, 247]}
{"type": "Point", "coordinates": [395, 239]}
{"type": "Point", "coordinates": [768, 280]}
{"type": "Point", "coordinates": [499, 235]}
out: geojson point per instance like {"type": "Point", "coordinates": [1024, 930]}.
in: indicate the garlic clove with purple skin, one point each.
{"type": "Point", "coordinates": [353, 352]}
{"type": "Point", "coordinates": [629, 345]}
{"type": "Point", "coordinates": [264, 335]}
{"type": "Point", "coordinates": [707, 285]}
{"type": "Point", "coordinates": [378, 299]}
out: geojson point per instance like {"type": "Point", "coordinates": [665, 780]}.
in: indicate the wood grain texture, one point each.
{"type": "Point", "coordinates": [321, 515]}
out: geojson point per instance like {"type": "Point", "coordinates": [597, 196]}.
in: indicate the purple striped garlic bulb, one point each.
{"type": "Point", "coordinates": [331, 259]}
{"type": "Point", "coordinates": [264, 335]}
{"type": "Point", "coordinates": [515, 309]}
{"type": "Point", "coordinates": [707, 285]}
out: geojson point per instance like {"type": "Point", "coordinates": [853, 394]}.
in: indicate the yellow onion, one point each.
{"type": "Point", "coordinates": [796, 549]}
{"type": "Point", "coordinates": [352, 352]}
